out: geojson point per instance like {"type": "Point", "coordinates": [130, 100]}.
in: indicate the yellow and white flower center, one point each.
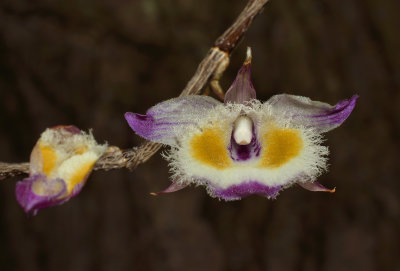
{"type": "Point", "coordinates": [281, 152]}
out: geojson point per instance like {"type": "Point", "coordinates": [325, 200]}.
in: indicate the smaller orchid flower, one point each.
{"type": "Point", "coordinates": [242, 146]}
{"type": "Point", "coordinates": [60, 163]}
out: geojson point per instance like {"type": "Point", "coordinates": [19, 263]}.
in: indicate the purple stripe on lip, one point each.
{"type": "Point", "coordinates": [244, 189]}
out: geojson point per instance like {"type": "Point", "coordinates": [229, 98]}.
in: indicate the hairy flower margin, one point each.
{"type": "Point", "coordinates": [243, 146]}
{"type": "Point", "coordinates": [60, 164]}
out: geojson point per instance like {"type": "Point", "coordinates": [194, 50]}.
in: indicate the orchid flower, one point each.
{"type": "Point", "coordinates": [60, 163]}
{"type": "Point", "coordinates": [243, 146]}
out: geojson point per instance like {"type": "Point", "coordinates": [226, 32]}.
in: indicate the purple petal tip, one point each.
{"type": "Point", "coordinates": [140, 124]}
{"type": "Point", "coordinates": [32, 202]}
{"type": "Point", "coordinates": [340, 112]}
{"type": "Point", "coordinates": [346, 106]}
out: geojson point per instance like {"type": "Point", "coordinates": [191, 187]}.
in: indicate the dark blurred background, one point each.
{"type": "Point", "coordinates": [88, 62]}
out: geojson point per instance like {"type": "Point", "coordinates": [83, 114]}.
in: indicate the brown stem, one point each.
{"type": "Point", "coordinates": [230, 38]}
{"type": "Point", "coordinates": [218, 55]}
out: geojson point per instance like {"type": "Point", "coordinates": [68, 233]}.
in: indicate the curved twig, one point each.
{"type": "Point", "coordinates": [215, 60]}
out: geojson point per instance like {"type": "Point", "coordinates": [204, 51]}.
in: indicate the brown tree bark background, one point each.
{"type": "Point", "coordinates": [88, 62]}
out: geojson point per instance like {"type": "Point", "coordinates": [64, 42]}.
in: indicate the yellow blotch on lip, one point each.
{"type": "Point", "coordinates": [49, 158]}
{"type": "Point", "coordinates": [210, 148]}
{"type": "Point", "coordinates": [79, 175]}
{"type": "Point", "coordinates": [280, 146]}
